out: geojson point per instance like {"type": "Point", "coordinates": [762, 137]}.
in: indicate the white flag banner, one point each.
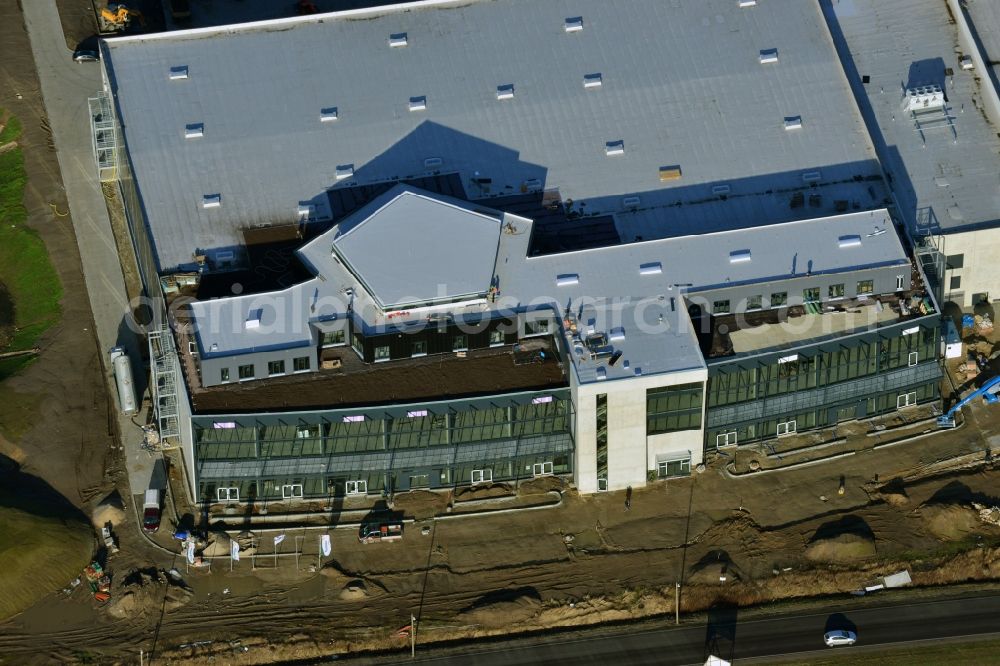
{"type": "Point", "coordinates": [234, 551]}
{"type": "Point", "coordinates": [324, 543]}
{"type": "Point", "coordinates": [278, 539]}
{"type": "Point", "coordinates": [190, 552]}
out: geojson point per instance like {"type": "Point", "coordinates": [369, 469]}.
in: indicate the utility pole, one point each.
{"type": "Point", "coordinates": [677, 603]}
{"type": "Point", "coordinates": [413, 636]}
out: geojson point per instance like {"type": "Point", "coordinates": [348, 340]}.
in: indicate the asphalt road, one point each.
{"type": "Point", "coordinates": [725, 635]}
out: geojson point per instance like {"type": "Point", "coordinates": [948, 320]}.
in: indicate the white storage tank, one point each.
{"type": "Point", "coordinates": [123, 379]}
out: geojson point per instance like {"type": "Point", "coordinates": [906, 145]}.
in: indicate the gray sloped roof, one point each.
{"type": "Point", "coordinates": [682, 84]}
{"type": "Point", "coordinates": [416, 249]}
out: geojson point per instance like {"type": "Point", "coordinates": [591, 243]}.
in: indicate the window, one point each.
{"type": "Point", "coordinates": [755, 302]}
{"type": "Point", "coordinates": [810, 295]}
{"type": "Point", "coordinates": [541, 469]}
{"type": "Point", "coordinates": [276, 367]}
{"type": "Point", "coordinates": [720, 307]}
{"type": "Point", "coordinates": [356, 344]}
{"type": "Point", "coordinates": [359, 487]}
{"type": "Point", "coordinates": [786, 428]}
{"type": "Point", "coordinates": [334, 338]}
{"type": "Point", "coordinates": [673, 408]}
{"type": "Point", "coordinates": [539, 327]}
{"type": "Point", "coordinates": [725, 439]}
{"type": "Point", "coordinates": [246, 371]}
{"type": "Point", "coordinates": [227, 494]}
{"type": "Point", "coordinates": [835, 291]}
{"type": "Point", "coordinates": [419, 348]}
{"type": "Point", "coordinates": [779, 298]}
{"type": "Point", "coordinates": [496, 338]}
{"type": "Point", "coordinates": [300, 364]}
{"type": "Point", "coordinates": [602, 484]}
{"type": "Point", "coordinates": [955, 261]}
{"type": "Point", "coordinates": [224, 375]}
{"type": "Point", "coordinates": [668, 468]}
{"type": "Point", "coordinates": [292, 490]}
{"type": "Point", "coordinates": [866, 287]}
{"type": "Point", "coordinates": [482, 475]}
{"type": "Point", "coordinates": [381, 353]}
{"type": "Point", "coordinates": [955, 282]}
{"type": "Point", "coordinates": [899, 283]}
{"type": "Point", "coordinates": [913, 358]}
{"type": "Point", "coordinates": [906, 400]}
{"type": "Point", "coordinates": [459, 343]}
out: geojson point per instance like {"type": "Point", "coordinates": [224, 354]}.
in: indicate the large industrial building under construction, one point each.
{"type": "Point", "coordinates": [448, 243]}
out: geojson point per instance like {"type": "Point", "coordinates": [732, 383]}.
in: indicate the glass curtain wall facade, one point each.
{"type": "Point", "coordinates": [383, 449]}
{"type": "Point", "coordinates": [849, 378]}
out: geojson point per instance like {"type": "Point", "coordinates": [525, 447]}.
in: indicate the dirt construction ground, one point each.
{"type": "Point", "coordinates": [63, 408]}
{"type": "Point", "coordinates": [773, 536]}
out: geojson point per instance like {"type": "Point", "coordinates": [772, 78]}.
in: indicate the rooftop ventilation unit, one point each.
{"type": "Point", "coordinates": [924, 98]}
{"type": "Point", "coordinates": [602, 374]}
{"type": "Point", "coordinates": [253, 318]}
{"type": "Point", "coordinates": [768, 56]}
{"type": "Point", "coordinates": [668, 173]}
{"type": "Point", "coordinates": [614, 148]}
{"type": "Point", "coordinates": [849, 241]}
{"type": "Point", "coordinates": [793, 122]}
{"type": "Point", "coordinates": [592, 80]}
{"type": "Point", "coordinates": [211, 201]}
{"type": "Point", "coordinates": [432, 162]}
{"type": "Point", "coordinates": [811, 176]}
{"type": "Point", "coordinates": [567, 279]}
{"type": "Point", "coordinates": [631, 202]}
{"type": "Point", "coordinates": [739, 256]}
{"type": "Point", "coordinates": [328, 115]}
{"type": "Point", "coordinates": [573, 24]}
{"type": "Point", "coordinates": [178, 73]}
{"type": "Point", "coordinates": [617, 334]}
{"type": "Point", "coordinates": [397, 40]}
{"type": "Point", "coordinates": [194, 131]}
{"type": "Point", "coordinates": [506, 91]}
{"type": "Point", "coordinates": [746, 3]}
{"type": "Point", "coordinates": [652, 268]}
{"type": "Point", "coordinates": [344, 171]}
{"type": "Point", "coordinates": [418, 103]}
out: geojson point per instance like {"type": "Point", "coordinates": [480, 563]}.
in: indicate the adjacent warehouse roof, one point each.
{"type": "Point", "coordinates": [944, 176]}
{"type": "Point", "coordinates": [621, 105]}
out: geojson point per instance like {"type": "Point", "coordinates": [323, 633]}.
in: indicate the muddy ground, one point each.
{"type": "Point", "coordinates": [70, 438]}
{"type": "Point", "coordinates": [585, 561]}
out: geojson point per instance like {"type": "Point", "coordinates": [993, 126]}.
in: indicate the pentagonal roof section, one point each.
{"type": "Point", "coordinates": [415, 250]}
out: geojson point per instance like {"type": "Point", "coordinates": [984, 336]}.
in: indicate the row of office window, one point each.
{"type": "Point", "coordinates": [789, 424]}
{"type": "Point", "coordinates": [352, 483]}
{"type": "Point", "coordinates": [274, 369]}
{"type": "Point", "coordinates": [672, 408]}
{"type": "Point", "coordinates": [809, 295]}
{"type": "Point", "coordinates": [361, 433]}
{"type": "Point", "coordinates": [801, 371]}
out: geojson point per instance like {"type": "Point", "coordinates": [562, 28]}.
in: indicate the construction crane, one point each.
{"type": "Point", "coordinates": [989, 392]}
{"type": "Point", "coordinates": [117, 16]}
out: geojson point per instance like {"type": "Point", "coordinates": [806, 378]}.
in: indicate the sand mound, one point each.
{"type": "Point", "coordinates": [502, 613]}
{"type": "Point", "coordinates": [848, 547]}
{"type": "Point", "coordinates": [220, 546]}
{"type": "Point", "coordinates": [147, 592]}
{"type": "Point", "coordinates": [110, 510]}
{"type": "Point", "coordinates": [354, 591]}
{"type": "Point", "coordinates": [949, 522]}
